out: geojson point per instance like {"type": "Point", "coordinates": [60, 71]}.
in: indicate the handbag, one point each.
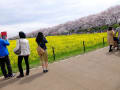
{"type": "Point", "coordinates": [40, 50]}
{"type": "Point", "coordinates": [18, 51]}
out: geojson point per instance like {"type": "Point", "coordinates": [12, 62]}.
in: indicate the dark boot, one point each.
{"type": "Point", "coordinates": [110, 50]}
{"type": "Point", "coordinates": [20, 76]}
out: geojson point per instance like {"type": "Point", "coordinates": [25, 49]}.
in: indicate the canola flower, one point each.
{"type": "Point", "coordinates": [65, 45]}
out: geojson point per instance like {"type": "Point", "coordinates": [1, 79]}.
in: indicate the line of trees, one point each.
{"type": "Point", "coordinates": [92, 23]}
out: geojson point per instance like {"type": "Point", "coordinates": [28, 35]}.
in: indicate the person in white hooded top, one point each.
{"type": "Point", "coordinates": [23, 44]}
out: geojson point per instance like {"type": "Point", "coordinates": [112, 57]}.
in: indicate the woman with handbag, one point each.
{"type": "Point", "coordinates": [41, 41]}
{"type": "Point", "coordinates": [23, 51]}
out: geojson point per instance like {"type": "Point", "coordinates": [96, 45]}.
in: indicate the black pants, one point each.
{"type": "Point", "coordinates": [3, 63]}
{"type": "Point", "coordinates": [20, 58]}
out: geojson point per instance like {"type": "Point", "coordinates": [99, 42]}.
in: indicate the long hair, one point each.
{"type": "Point", "coordinates": [39, 37]}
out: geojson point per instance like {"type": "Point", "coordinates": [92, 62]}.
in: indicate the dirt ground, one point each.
{"type": "Point", "coordinates": [97, 70]}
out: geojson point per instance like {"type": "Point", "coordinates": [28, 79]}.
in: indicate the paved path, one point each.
{"type": "Point", "coordinates": [97, 70]}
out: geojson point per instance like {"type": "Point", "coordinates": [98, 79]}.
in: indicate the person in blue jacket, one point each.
{"type": "Point", "coordinates": [4, 58]}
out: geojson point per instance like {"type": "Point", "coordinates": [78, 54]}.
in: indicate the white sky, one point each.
{"type": "Point", "coordinates": [30, 15]}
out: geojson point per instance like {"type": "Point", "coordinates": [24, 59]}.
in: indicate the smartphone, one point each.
{"type": "Point", "coordinates": [4, 35]}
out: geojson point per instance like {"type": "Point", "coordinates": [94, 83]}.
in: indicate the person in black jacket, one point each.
{"type": "Point", "coordinates": [41, 41]}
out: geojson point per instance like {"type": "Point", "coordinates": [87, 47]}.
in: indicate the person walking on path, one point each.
{"type": "Point", "coordinates": [118, 31]}
{"type": "Point", "coordinates": [23, 44]}
{"type": "Point", "coordinates": [118, 38]}
{"type": "Point", "coordinates": [41, 41]}
{"type": "Point", "coordinates": [4, 58]}
{"type": "Point", "coordinates": [110, 37]}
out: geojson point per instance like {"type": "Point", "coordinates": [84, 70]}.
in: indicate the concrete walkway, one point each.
{"type": "Point", "coordinates": [97, 70]}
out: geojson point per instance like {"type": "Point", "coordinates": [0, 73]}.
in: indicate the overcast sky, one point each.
{"type": "Point", "coordinates": [30, 15]}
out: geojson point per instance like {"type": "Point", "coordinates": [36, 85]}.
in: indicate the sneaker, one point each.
{"type": "Point", "coordinates": [118, 49]}
{"type": "Point", "coordinates": [20, 76]}
{"type": "Point", "coordinates": [6, 77]}
{"type": "Point", "coordinates": [46, 70]}
{"type": "Point", "coordinates": [110, 50]}
{"type": "Point", "coordinates": [11, 75]}
{"type": "Point", "coordinates": [27, 74]}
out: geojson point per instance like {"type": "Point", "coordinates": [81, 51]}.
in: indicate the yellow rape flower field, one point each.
{"type": "Point", "coordinates": [65, 46]}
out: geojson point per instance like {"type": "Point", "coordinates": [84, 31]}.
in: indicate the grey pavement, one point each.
{"type": "Point", "coordinates": [97, 70]}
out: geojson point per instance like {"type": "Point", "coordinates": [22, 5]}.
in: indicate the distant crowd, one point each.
{"type": "Point", "coordinates": [23, 51]}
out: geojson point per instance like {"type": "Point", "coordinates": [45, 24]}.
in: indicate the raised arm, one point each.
{"type": "Point", "coordinates": [45, 40]}
{"type": "Point", "coordinates": [6, 42]}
